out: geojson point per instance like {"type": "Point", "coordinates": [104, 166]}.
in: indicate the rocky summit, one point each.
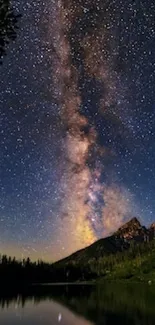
{"type": "Point", "coordinates": [130, 232]}
{"type": "Point", "coordinates": [133, 230]}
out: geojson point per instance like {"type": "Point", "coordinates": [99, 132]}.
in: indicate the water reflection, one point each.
{"type": "Point", "coordinates": [108, 304]}
{"type": "Point", "coordinates": [45, 312]}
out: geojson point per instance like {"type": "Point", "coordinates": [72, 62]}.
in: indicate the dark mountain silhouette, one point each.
{"type": "Point", "coordinates": [128, 254]}
{"type": "Point", "coordinates": [121, 240]}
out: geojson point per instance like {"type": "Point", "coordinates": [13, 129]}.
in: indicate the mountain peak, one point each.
{"type": "Point", "coordinates": [130, 229]}
{"type": "Point", "coordinates": [134, 222]}
{"type": "Point", "coordinates": [119, 241]}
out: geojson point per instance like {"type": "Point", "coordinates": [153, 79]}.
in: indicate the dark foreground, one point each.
{"type": "Point", "coordinates": [108, 304]}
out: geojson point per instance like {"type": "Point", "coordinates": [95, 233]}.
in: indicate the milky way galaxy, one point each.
{"type": "Point", "coordinates": [76, 124]}
{"type": "Point", "coordinates": [86, 52]}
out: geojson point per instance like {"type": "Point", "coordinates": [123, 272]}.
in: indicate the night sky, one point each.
{"type": "Point", "coordinates": [77, 124]}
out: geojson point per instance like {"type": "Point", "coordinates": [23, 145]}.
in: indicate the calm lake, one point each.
{"type": "Point", "coordinates": [107, 304]}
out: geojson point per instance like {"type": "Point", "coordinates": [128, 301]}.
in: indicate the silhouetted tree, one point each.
{"type": "Point", "coordinates": [15, 272]}
{"type": "Point", "coordinates": [8, 26]}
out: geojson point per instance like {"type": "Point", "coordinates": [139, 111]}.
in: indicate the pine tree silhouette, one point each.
{"type": "Point", "coordinates": [8, 26]}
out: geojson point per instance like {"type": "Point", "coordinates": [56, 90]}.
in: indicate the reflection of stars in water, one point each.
{"type": "Point", "coordinates": [59, 317]}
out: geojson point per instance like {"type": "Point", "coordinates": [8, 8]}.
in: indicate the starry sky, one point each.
{"type": "Point", "coordinates": [77, 103]}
